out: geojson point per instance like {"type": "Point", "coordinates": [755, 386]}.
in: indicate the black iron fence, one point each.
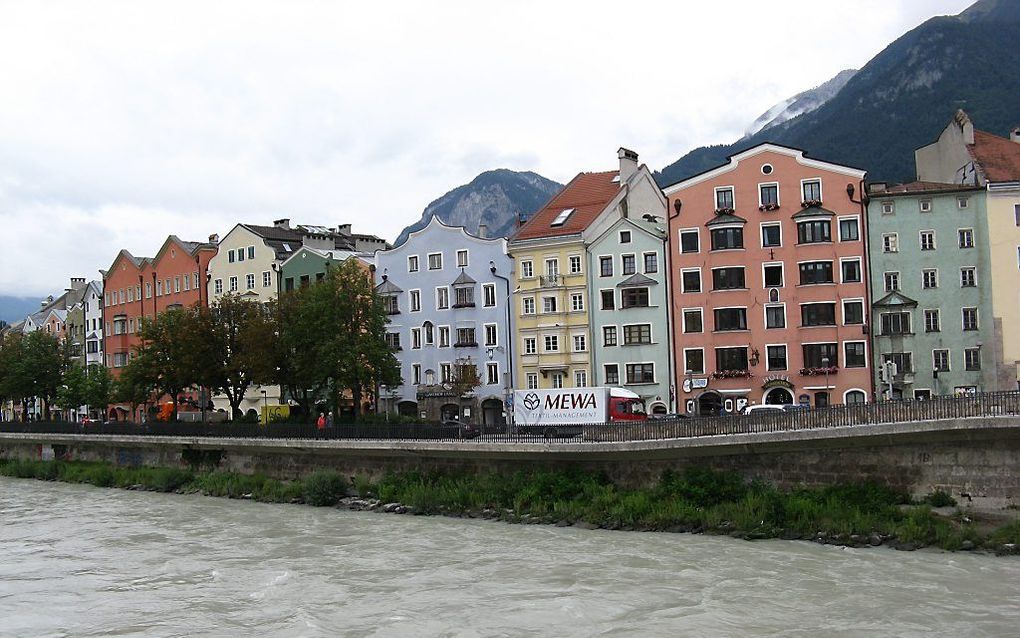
{"type": "Point", "coordinates": [760, 421]}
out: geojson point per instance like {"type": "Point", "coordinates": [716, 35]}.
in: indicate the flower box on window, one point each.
{"type": "Point", "coordinates": [731, 374]}
{"type": "Point", "coordinates": [808, 203]}
{"type": "Point", "coordinates": [768, 207]}
{"type": "Point", "coordinates": [724, 211]}
{"type": "Point", "coordinates": [818, 372]}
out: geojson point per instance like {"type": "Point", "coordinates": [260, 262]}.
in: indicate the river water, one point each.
{"type": "Point", "coordinates": [85, 561]}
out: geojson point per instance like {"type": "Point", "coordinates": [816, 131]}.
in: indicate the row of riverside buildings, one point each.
{"type": "Point", "coordinates": [773, 278]}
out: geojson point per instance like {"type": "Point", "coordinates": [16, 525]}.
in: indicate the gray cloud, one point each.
{"type": "Point", "coordinates": [122, 123]}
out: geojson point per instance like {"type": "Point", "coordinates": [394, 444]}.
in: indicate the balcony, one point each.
{"type": "Point", "coordinates": [464, 304]}
{"type": "Point", "coordinates": [466, 344]}
{"type": "Point", "coordinates": [550, 281]}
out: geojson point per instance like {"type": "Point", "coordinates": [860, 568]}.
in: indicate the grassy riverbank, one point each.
{"type": "Point", "coordinates": [699, 501]}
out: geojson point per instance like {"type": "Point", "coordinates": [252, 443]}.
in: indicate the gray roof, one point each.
{"type": "Point", "coordinates": [814, 211]}
{"type": "Point", "coordinates": [719, 220]}
{"type": "Point", "coordinates": [896, 298]}
{"type": "Point", "coordinates": [387, 287]}
{"type": "Point", "coordinates": [463, 279]}
{"type": "Point", "coordinates": [636, 280]}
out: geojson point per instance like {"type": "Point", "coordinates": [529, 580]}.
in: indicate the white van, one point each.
{"type": "Point", "coordinates": [764, 407]}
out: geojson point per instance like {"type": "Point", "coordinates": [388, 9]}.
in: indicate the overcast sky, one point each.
{"type": "Point", "coordinates": [123, 122]}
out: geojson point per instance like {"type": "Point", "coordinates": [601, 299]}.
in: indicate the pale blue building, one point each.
{"type": "Point", "coordinates": [447, 292]}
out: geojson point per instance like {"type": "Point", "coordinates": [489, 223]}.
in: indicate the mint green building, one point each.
{"type": "Point", "coordinates": [309, 265]}
{"type": "Point", "coordinates": [629, 292]}
{"type": "Point", "coordinates": [931, 289]}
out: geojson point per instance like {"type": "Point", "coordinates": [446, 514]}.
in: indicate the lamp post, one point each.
{"type": "Point", "coordinates": [825, 364]}
{"type": "Point", "coordinates": [265, 405]}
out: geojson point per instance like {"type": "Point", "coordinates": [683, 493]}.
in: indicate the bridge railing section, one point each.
{"type": "Point", "coordinates": [939, 408]}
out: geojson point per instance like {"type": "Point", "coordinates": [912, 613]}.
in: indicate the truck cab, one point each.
{"type": "Point", "coordinates": [625, 405]}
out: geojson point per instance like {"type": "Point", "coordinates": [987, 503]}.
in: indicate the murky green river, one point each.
{"type": "Point", "coordinates": [84, 561]}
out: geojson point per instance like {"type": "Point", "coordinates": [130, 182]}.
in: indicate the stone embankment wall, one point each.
{"type": "Point", "coordinates": [975, 459]}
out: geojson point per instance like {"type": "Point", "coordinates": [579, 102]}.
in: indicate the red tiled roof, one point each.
{"type": "Point", "coordinates": [999, 157]}
{"type": "Point", "coordinates": [588, 194]}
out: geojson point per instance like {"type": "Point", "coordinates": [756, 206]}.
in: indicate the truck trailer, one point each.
{"type": "Point", "coordinates": [565, 412]}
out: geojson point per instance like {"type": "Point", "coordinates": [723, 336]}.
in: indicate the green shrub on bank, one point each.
{"type": "Point", "coordinates": [940, 498]}
{"type": "Point", "coordinates": [323, 489]}
{"type": "Point", "coordinates": [696, 499]}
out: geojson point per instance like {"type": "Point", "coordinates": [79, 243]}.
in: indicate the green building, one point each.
{"type": "Point", "coordinates": [309, 265]}
{"type": "Point", "coordinates": [931, 289]}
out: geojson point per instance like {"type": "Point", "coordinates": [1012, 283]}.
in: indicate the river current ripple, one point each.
{"type": "Point", "coordinates": [84, 561]}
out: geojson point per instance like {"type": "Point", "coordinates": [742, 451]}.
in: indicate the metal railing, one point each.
{"type": "Point", "coordinates": [993, 404]}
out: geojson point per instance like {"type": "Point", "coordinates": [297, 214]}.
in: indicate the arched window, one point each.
{"type": "Point", "coordinates": [855, 397]}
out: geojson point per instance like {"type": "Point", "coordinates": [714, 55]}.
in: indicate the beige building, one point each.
{"type": "Point", "coordinates": [964, 155]}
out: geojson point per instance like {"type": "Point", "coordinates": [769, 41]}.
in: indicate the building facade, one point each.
{"type": "Point", "coordinates": [768, 276]}
{"type": "Point", "coordinates": [135, 289]}
{"type": "Point", "coordinates": [447, 293]}
{"type": "Point", "coordinates": [931, 287]}
{"type": "Point", "coordinates": [310, 265]}
{"type": "Point", "coordinates": [964, 155]}
{"type": "Point", "coordinates": [628, 285]}
{"type": "Point", "coordinates": [552, 303]}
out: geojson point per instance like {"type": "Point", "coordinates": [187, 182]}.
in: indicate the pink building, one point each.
{"type": "Point", "coordinates": [768, 261]}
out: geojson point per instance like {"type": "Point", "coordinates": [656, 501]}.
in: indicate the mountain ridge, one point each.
{"type": "Point", "coordinates": [494, 198]}
{"type": "Point", "coordinates": [901, 98]}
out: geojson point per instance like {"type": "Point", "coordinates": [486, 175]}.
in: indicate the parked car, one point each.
{"type": "Point", "coordinates": [763, 409]}
{"type": "Point", "coordinates": [667, 417]}
{"type": "Point", "coordinates": [795, 407]}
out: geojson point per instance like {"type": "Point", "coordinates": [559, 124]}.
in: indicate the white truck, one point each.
{"type": "Point", "coordinates": [564, 412]}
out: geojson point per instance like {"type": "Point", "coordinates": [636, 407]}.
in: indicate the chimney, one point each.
{"type": "Point", "coordinates": [483, 230]}
{"type": "Point", "coordinates": [628, 163]}
{"type": "Point", "coordinates": [214, 238]}
{"type": "Point", "coordinates": [343, 229]}
{"type": "Point", "coordinates": [282, 223]}
{"type": "Point", "coordinates": [877, 187]}
{"type": "Point", "coordinates": [77, 282]}
{"type": "Point", "coordinates": [1014, 135]}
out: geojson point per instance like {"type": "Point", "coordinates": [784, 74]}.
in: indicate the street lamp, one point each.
{"type": "Point", "coordinates": [825, 364]}
{"type": "Point", "coordinates": [690, 383]}
{"type": "Point", "coordinates": [265, 404]}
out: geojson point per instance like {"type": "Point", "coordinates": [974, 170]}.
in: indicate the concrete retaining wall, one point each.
{"type": "Point", "coordinates": [978, 457]}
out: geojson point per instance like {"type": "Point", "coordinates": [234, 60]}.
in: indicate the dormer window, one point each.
{"type": "Point", "coordinates": [465, 297]}
{"type": "Point", "coordinates": [562, 217]}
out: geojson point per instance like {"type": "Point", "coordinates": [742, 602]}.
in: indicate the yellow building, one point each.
{"type": "Point", "coordinates": [551, 303]}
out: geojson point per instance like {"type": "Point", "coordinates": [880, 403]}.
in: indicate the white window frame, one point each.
{"type": "Point", "coordinates": [571, 260]}
{"type": "Point", "coordinates": [781, 265]}
{"type": "Point", "coordinates": [583, 337]}
{"type": "Point", "coordinates": [920, 239]}
{"type": "Point", "coordinates": [860, 269]}
{"type": "Point", "coordinates": [973, 271]}
{"type": "Point", "coordinates": [545, 342]}
{"type": "Point", "coordinates": [924, 205]}
{"type": "Point", "coordinates": [839, 228]}
{"type": "Point", "coordinates": [715, 196]}
{"type": "Point", "coordinates": [864, 310]}
{"type": "Point", "coordinates": [778, 190]}
{"type": "Point", "coordinates": [683, 319]}
{"type": "Point", "coordinates": [949, 359]}
{"type": "Point", "coordinates": [890, 243]}
{"type": "Point", "coordinates": [527, 265]}
{"type": "Point", "coordinates": [495, 334]}
{"type": "Point", "coordinates": [765, 316]}
{"type": "Point", "coordinates": [531, 380]}
{"type": "Point", "coordinates": [267, 279]}
{"type": "Point", "coordinates": [438, 297]}
{"type": "Point", "coordinates": [959, 238]}
{"type": "Point", "coordinates": [867, 360]}
{"type": "Point", "coordinates": [413, 299]}
{"type": "Point", "coordinates": [701, 280]}
{"type": "Point", "coordinates": [524, 306]}
{"type": "Point", "coordinates": [524, 347]}
{"type": "Point", "coordinates": [680, 240]}
{"type": "Point", "coordinates": [761, 230]}
{"type": "Point", "coordinates": [704, 362]}
{"type": "Point", "coordinates": [489, 290]}
{"type": "Point", "coordinates": [935, 312]}
{"type": "Point", "coordinates": [765, 353]}
{"type": "Point", "coordinates": [821, 193]}
{"type": "Point", "coordinates": [925, 272]}
{"type": "Point", "coordinates": [491, 378]}
{"type": "Point", "coordinates": [413, 263]}
{"type": "Point", "coordinates": [644, 262]}
{"type": "Point", "coordinates": [574, 297]}
{"type": "Point", "coordinates": [462, 263]}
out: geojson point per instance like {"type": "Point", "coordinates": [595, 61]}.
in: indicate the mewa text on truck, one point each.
{"type": "Point", "coordinates": [565, 412]}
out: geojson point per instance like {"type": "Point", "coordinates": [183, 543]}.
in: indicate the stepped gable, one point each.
{"type": "Point", "coordinates": [588, 194]}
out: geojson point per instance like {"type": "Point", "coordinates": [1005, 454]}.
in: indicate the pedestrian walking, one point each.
{"type": "Point", "coordinates": [320, 426]}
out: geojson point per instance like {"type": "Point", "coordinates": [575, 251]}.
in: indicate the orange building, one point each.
{"type": "Point", "coordinates": [141, 287]}
{"type": "Point", "coordinates": [768, 267]}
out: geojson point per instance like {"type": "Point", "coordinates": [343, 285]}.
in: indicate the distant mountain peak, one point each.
{"type": "Point", "coordinates": [992, 11]}
{"type": "Point", "coordinates": [803, 102]}
{"type": "Point", "coordinates": [494, 199]}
